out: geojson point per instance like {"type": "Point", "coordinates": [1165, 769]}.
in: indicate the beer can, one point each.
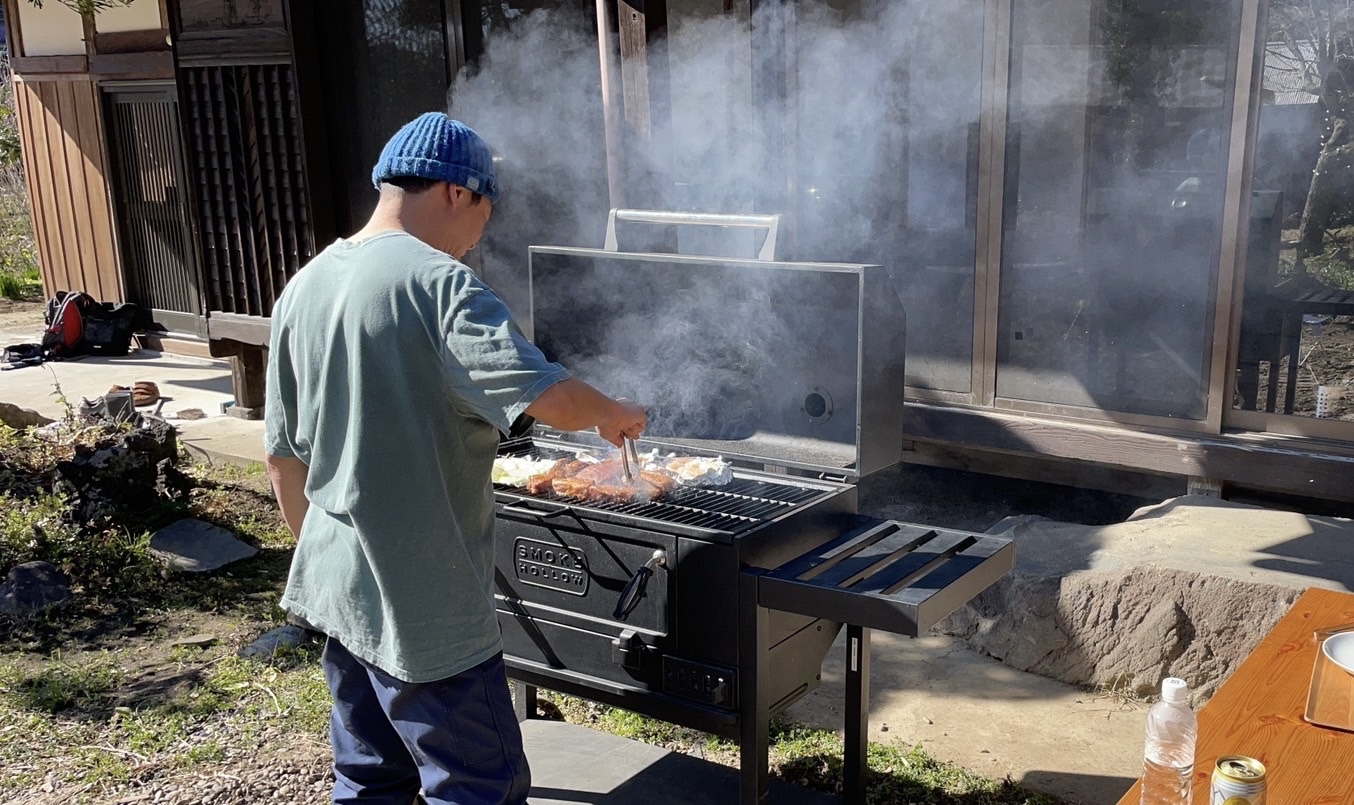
{"type": "Point", "coordinates": [1238, 780]}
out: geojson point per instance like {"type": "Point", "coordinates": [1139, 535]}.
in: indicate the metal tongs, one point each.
{"type": "Point", "coordinates": [629, 453]}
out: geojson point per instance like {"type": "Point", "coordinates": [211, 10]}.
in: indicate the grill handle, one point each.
{"type": "Point", "coordinates": [634, 588]}
{"type": "Point", "coordinates": [542, 516]}
{"type": "Point", "coordinates": [771, 223]}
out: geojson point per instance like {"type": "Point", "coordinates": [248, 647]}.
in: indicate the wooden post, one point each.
{"type": "Point", "coordinates": [645, 104]}
{"type": "Point", "coordinates": [611, 111]}
{"type": "Point", "coordinates": [640, 22]}
{"type": "Point", "coordinates": [16, 45]}
{"type": "Point", "coordinates": [248, 368]}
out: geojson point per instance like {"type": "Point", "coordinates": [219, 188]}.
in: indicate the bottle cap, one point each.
{"type": "Point", "coordinates": [1173, 690]}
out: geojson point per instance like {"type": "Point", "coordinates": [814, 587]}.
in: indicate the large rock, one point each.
{"type": "Point", "coordinates": [129, 472]}
{"type": "Point", "coordinates": [196, 546]}
{"type": "Point", "coordinates": [33, 587]}
{"type": "Point", "coordinates": [20, 418]}
{"type": "Point", "coordinates": [1123, 632]}
{"type": "Point", "coordinates": [1186, 589]}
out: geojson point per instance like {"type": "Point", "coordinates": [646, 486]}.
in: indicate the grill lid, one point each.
{"type": "Point", "coordinates": [791, 364]}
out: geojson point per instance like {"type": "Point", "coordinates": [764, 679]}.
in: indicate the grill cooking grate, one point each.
{"type": "Point", "coordinates": [734, 507]}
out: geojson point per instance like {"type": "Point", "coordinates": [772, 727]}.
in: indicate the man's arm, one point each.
{"type": "Point", "coordinates": [288, 476]}
{"type": "Point", "coordinates": [574, 405]}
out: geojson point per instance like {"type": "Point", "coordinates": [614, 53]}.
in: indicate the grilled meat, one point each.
{"type": "Point", "coordinates": [543, 483]}
{"type": "Point", "coordinates": [601, 482]}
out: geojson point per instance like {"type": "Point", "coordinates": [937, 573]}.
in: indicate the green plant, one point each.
{"type": "Point", "coordinates": [19, 277]}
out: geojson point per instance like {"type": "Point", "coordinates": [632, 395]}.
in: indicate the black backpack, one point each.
{"type": "Point", "coordinates": [109, 328]}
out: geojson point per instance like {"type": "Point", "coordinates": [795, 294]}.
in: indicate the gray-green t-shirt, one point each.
{"type": "Point", "coordinates": [392, 369]}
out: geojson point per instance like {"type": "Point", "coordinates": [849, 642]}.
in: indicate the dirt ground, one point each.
{"type": "Point", "coordinates": [1325, 358]}
{"type": "Point", "coordinates": [18, 316]}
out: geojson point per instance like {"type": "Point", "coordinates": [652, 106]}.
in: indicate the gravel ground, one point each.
{"type": "Point", "coordinates": [299, 775]}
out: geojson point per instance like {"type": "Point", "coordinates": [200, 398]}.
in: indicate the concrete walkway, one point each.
{"type": "Point", "coordinates": [189, 383]}
{"type": "Point", "coordinates": [965, 707]}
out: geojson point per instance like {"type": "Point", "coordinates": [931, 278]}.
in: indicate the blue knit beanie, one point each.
{"type": "Point", "coordinates": [433, 146]}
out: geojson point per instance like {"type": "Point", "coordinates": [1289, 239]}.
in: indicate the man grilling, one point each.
{"type": "Point", "coordinates": [392, 371]}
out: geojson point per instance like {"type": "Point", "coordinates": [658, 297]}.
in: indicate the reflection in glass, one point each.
{"type": "Point", "coordinates": [218, 15]}
{"type": "Point", "coordinates": [400, 59]}
{"type": "Point", "coordinates": [532, 88]}
{"type": "Point", "coordinates": [887, 134]}
{"type": "Point", "coordinates": [1296, 354]}
{"type": "Point", "coordinates": [1116, 159]}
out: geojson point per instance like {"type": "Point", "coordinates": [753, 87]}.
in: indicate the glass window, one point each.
{"type": "Point", "coordinates": [888, 97]}
{"type": "Point", "coordinates": [1296, 353]}
{"type": "Point", "coordinates": [215, 15]}
{"type": "Point", "coordinates": [1116, 160]}
{"type": "Point", "coordinates": [534, 92]}
{"type": "Point", "coordinates": [398, 61]}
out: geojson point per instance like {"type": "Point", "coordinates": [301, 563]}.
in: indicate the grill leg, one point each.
{"type": "Point", "coordinates": [754, 723]}
{"type": "Point", "coordinates": [523, 700]}
{"type": "Point", "coordinates": [856, 750]}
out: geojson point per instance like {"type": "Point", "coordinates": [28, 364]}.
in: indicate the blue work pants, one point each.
{"type": "Point", "coordinates": [456, 739]}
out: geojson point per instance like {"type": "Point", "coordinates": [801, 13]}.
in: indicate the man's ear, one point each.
{"type": "Point", "coordinates": [457, 196]}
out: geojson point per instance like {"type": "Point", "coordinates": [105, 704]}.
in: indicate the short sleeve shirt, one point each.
{"type": "Point", "coordinates": [392, 370]}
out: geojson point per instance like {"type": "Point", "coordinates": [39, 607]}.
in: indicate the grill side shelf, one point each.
{"type": "Point", "coordinates": [888, 575]}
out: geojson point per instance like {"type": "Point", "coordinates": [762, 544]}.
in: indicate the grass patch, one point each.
{"type": "Point", "coordinates": [61, 685]}
{"type": "Point", "coordinates": [59, 716]}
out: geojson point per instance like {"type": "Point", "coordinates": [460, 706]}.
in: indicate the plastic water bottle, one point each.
{"type": "Point", "coordinates": [1168, 762]}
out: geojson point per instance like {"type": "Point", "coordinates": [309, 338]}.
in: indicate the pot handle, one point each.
{"type": "Point", "coordinates": [634, 588]}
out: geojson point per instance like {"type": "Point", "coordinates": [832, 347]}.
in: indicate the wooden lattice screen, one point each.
{"type": "Point", "coordinates": [148, 182]}
{"type": "Point", "coordinates": [245, 141]}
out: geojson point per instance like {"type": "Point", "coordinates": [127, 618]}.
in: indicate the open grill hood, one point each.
{"type": "Point", "coordinates": [797, 365]}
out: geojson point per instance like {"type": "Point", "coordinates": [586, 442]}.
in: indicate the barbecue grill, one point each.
{"type": "Point", "coordinates": [714, 608]}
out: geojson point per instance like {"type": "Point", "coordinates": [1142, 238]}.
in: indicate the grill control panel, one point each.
{"type": "Point", "coordinates": [708, 684]}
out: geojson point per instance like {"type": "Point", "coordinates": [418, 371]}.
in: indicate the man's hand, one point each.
{"type": "Point", "coordinates": [630, 419]}
{"type": "Point", "coordinates": [574, 405]}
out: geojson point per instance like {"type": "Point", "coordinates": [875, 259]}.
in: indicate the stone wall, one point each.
{"type": "Point", "coordinates": [1123, 630]}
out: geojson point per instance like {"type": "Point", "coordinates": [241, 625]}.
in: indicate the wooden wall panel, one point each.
{"type": "Point", "coordinates": [66, 164]}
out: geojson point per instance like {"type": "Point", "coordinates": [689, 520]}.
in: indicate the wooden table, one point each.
{"type": "Point", "coordinates": [1258, 712]}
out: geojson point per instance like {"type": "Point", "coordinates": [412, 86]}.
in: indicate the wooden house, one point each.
{"type": "Point", "coordinates": [1092, 211]}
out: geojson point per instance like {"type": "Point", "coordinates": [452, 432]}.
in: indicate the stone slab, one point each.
{"type": "Point", "coordinates": [571, 764]}
{"type": "Point", "coordinates": [197, 546]}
